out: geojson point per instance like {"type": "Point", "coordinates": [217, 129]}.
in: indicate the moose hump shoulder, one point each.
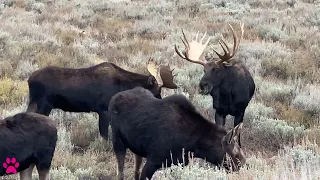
{"type": "Point", "coordinates": [28, 140]}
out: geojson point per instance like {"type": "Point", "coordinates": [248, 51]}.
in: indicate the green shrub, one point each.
{"type": "Point", "coordinates": [62, 173]}
{"type": "Point", "coordinates": [271, 33]}
{"type": "Point", "coordinates": [273, 91]}
{"type": "Point", "coordinates": [256, 110]}
{"type": "Point", "coordinates": [276, 129]}
{"type": "Point", "coordinates": [12, 92]}
{"type": "Point", "coordinates": [308, 99]}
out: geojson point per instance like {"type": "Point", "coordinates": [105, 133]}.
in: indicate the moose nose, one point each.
{"type": "Point", "coordinates": [200, 89]}
{"type": "Point", "coordinates": [203, 90]}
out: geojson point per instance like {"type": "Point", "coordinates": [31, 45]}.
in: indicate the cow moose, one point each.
{"type": "Point", "coordinates": [225, 78]}
{"type": "Point", "coordinates": [153, 128]}
{"type": "Point", "coordinates": [90, 89]}
{"type": "Point", "coordinates": [27, 140]}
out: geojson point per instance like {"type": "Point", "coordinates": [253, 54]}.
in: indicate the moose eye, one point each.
{"type": "Point", "coordinates": [204, 85]}
{"type": "Point", "coordinates": [214, 69]}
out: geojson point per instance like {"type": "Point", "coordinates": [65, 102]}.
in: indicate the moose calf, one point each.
{"type": "Point", "coordinates": [153, 128]}
{"type": "Point", "coordinates": [27, 140]}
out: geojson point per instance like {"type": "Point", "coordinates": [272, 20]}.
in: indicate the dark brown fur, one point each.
{"type": "Point", "coordinates": [31, 139]}
{"type": "Point", "coordinates": [225, 78]}
{"type": "Point", "coordinates": [154, 128]}
{"type": "Point", "coordinates": [84, 89]}
{"type": "Point", "coordinates": [231, 89]}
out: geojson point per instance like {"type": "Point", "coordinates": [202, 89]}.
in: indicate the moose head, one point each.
{"type": "Point", "coordinates": [161, 76]}
{"type": "Point", "coordinates": [215, 69]}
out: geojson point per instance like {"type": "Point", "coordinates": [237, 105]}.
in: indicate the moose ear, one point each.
{"type": "Point", "coordinates": [151, 80]}
{"type": "Point", "coordinates": [10, 122]}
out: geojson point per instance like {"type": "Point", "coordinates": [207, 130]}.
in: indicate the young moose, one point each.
{"type": "Point", "coordinates": [225, 78]}
{"type": "Point", "coordinates": [153, 128]}
{"type": "Point", "coordinates": [27, 140]}
{"type": "Point", "coordinates": [90, 89]}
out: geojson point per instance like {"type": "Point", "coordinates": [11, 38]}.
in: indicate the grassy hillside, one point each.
{"type": "Point", "coordinates": [280, 47]}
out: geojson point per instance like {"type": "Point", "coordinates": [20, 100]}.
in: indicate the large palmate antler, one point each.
{"type": "Point", "coordinates": [236, 41]}
{"type": "Point", "coordinates": [162, 73]}
{"type": "Point", "coordinates": [194, 49]}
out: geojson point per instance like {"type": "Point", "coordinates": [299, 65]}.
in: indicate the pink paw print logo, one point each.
{"type": "Point", "coordinates": [11, 165]}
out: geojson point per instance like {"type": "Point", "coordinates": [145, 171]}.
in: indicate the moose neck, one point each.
{"type": "Point", "coordinates": [209, 146]}
{"type": "Point", "coordinates": [136, 80]}
{"type": "Point", "coordinates": [224, 82]}
{"type": "Point", "coordinates": [139, 79]}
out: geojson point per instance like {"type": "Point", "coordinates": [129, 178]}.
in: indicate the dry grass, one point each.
{"type": "Point", "coordinates": [280, 48]}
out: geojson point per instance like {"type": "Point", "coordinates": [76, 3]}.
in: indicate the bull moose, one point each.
{"type": "Point", "coordinates": [225, 78]}
{"type": "Point", "coordinates": [90, 89]}
{"type": "Point", "coordinates": [158, 129]}
{"type": "Point", "coordinates": [27, 140]}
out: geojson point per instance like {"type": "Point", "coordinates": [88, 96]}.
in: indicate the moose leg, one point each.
{"type": "Point", "coordinates": [237, 120]}
{"type": "Point", "coordinates": [149, 169]}
{"type": "Point", "coordinates": [220, 119]}
{"type": "Point", "coordinates": [120, 151]}
{"type": "Point", "coordinates": [27, 173]}
{"type": "Point", "coordinates": [47, 110]}
{"type": "Point", "coordinates": [41, 107]}
{"type": "Point", "coordinates": [121, 156]}
{"type": "Point", "coordinates": [104, 124]}
{"type": "Point", "coordinates": [138, 162]}
{"type": "Point", "coordinates": [43, 174]}
{"type": "Point", "coordinates": [44, 155]}
{"type": "Point", "coordinates": [32, 107]}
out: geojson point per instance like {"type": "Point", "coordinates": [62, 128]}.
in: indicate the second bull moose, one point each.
{"type": "Point", "coordinates": [90, 89]}
{"type": "Point", "coordinates": [225, 78]}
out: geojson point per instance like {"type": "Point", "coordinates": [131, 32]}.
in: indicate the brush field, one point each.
{"type": "Point", "coordinates": [280, 47]}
